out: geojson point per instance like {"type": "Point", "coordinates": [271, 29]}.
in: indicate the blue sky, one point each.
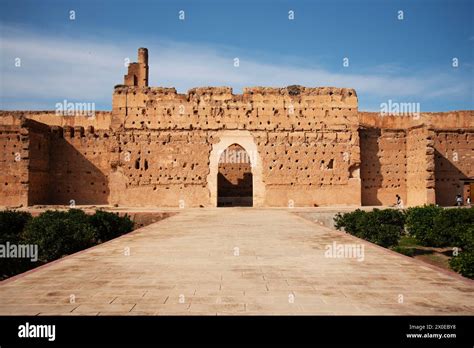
{"type": "Point", "coordinates": [407, 60]}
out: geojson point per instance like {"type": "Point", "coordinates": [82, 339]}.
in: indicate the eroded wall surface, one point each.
{"type": "Point", "coordinates": [80, 161]}
{"type": "Point", "coordinates": [420, 180]}
{"type": "Point", "coordinates": [306, 138]}
{"type": "Point", "coordinates": [14, 164]}
{"type": "Point", "coordinates": [38, 158]}
{"type": "Point", "coordinates": [431, 156]}
{"type": "Point", "coordinates": [384, 165]}
{"type": "Point", "coordinates": [454, 162]}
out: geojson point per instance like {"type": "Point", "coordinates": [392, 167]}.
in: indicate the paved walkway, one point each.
{"type": "Point", "coordinates": [234, 261]}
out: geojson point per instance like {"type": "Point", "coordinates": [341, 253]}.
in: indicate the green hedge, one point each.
{"type": "Point", "coordinates": [56, 233]}
{"type": "Point", "coordinates": [430, 225]}
{"type": "Point", "coordinates": [463, 263]}
{"type": "Point", "coordinates": [454, 227]}
{"type": "Point", "coordinates": [438, 227]}
{"type": "Point", "coordinates": [420, 224]}
{"type": "Point", "coordinates": [12, 224]}
{"type": "Point", "coordinates": [350, 222]}
{"type": "Point", "coordinates": [109, 225]}
{"type": "Point", "coordinates": [382, 227]}
{"type": "Point", "coordinates": [59, 233]}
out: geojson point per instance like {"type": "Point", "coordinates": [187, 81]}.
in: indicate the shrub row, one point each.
{"type": "Point", "coordinates": [382, 227]}
{"type": "Point", "coordinates": [435, 226]}
{"type": "Point", "coordinates": [464, 263]}
{"type": "Point", "coordinates": [430, 225]}
{"type": "Point", "coordinates": [12, 224]}
{"type": "Point", "coordinates": [438, 227]}
{"type": "Point", "coordinates": [57, 233]}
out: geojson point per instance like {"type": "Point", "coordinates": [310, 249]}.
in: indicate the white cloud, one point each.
{"type": "Point", "coordinates": [54, 68]}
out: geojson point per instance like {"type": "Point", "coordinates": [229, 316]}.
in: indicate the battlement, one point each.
{"type": "Point", "coordinates": [291, 91]}
{"type": "Point", "coordinates": [461, 119]}
{"type": "Point", "coordinates": [136, 105]}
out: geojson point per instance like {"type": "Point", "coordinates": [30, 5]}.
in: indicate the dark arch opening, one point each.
{"type": "Point", "coordinates": [234, 178]}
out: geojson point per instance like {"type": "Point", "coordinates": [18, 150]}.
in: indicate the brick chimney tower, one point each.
{"type": "Point", "coordinates": [138, 72]}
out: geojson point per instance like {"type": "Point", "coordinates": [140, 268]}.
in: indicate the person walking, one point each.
{"type": "Point", "coordinates": [399, 202]}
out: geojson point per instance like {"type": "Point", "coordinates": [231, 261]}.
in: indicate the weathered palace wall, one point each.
{"type": "Point", "coordinates": [304, 147]}
{"type": "Point", "coordinates": [429, 159]}
{"type": "Point", "coordinates": [305, 138]}
{"type": "Point", "coordinates": [14, 170]}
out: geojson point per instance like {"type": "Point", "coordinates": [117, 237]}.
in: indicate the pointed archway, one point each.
{"type": "Point", "coordinates": [234, 178]}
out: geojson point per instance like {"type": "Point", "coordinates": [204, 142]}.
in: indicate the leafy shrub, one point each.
{"type": "Point", "coordinates": [430, 225]}
{"type": "Point", "coordinates": [392, 217]}
{"type": "Point", "coordinates": [464, 263]}
{"type": "Point", "coordinates": [383, 234]}
{"type": "Point", "coordinates": [349, 221]}
{"type": "Point", "coordinates": [420, 223]}
{"type": "Point", "coordinates": [438, 227]}
{"type": "Point", "coordinates": [109, 225]}
{"type": "Point", "coordinates": [465, 238]}
{"type": "Point", "coordinates": [454, 227]}
{"type": "Point", "coordinates": [11, 225]}
{"type": "Point", "coordinates": [382, 227]}
{"type": "Point", "coordinates": [59, 233]}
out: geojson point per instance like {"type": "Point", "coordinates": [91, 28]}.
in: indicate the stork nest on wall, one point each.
{"type": "Point", "coordinates": [293, 89]}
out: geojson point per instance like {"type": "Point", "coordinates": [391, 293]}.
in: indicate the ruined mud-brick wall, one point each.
{"type": "Point", "coordinates": [100, 119]}
{"type": "Point", "coordinates": [430, 155]}
{"type": "Point", "coordinates": [39, 174]}
{"type": "Point", "coordinates": [24, 161]}
{"type": "Point", "coordinates": [454, 162]}
{"type": "Point", "coordinates": [420, 180]}
{"type": "Point", "coordinates": [454, 153]}
{"type": "Point", "coordinates": [306, 138]}
{"type": "Point", "coordinates": [96, 166]}
{"type": "Point", "coordinates": [159, 168]}
{"type": "Point", "coordinates": [41, 165]}
{"type": "Point", "coordinates": [80, 161]}
{"type": "Point", "coordinates": [394, 159]}
{"type": "Point", "coordinates": [14, 163]}
{"type": "Point", "coordinates": [383, 165]}
{"type": "Point", "coordinates": [44, 164]}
